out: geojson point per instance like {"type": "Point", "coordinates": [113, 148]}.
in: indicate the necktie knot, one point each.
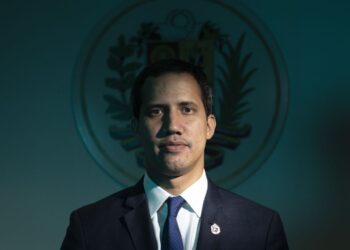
{"type": "Point", "coordinates": [174, 205]}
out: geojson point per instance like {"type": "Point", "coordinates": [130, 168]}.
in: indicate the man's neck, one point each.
{"type": "Point", "coordinates": [178, 184]}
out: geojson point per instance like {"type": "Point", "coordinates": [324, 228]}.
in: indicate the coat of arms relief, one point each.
{"type": "Point", "coordinates": [226, 63]}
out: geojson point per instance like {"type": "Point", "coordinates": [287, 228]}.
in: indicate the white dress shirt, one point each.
{"type": "Point", "coordinates": [189, 214]}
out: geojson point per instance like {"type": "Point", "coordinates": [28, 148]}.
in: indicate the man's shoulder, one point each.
{"type": "Point", "coordinates": [234, 201]}
{"type": "Point", "coordinates": [111, 203]}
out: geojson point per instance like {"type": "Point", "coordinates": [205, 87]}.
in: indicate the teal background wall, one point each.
{"type": "Point", "coordinates": [46, 172]}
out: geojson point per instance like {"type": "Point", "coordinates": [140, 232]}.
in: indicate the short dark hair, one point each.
{"type": "Point", "coordinates": [171, 66]}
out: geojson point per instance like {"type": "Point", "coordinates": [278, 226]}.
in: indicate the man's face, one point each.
{"type": "Point", "coordinates": [173, 126]}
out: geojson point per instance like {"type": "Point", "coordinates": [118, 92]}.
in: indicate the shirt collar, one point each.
{"type": "Point", "coordinates": [193, 195]}
{"type": "Point", "coordinates": [156, 195]}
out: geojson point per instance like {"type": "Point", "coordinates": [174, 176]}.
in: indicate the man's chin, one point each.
{"type": "Point", "coordinates": [174, 169]}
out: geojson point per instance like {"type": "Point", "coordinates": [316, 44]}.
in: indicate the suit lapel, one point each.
{"type": "Point", "coordinates": [138, 221]}
{"type": "Point", "coordinates": [212, 208]}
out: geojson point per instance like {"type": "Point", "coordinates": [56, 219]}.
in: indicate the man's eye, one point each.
{"type": "Point", "coordinates": [187, 110]}
{"type": "Point", "coordinates": [155, 112]}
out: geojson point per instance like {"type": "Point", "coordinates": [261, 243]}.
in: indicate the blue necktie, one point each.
{"type": "Point", "coordinates": [171, 239]}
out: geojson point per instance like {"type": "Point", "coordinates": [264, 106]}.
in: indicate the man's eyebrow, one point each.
{"type": "Point", "coordinates": [188, 103]}
{"type": "Point", "coordinates": [155, 105]}
{"type": "Point", "coordinates": [164, 105]}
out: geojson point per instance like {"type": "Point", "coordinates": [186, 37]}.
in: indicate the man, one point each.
{"type": "Point", "coordinates": [172, 105]}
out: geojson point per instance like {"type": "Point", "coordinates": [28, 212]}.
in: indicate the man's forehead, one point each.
{"type": "Point", "coordinates": [171, 89]}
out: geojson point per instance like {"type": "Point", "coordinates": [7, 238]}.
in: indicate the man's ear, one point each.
{"type": "Point", "coordinates": [211, 125]}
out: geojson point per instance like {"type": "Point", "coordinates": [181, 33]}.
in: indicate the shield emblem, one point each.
{"type": "Point", "coordinates": [198, 52]}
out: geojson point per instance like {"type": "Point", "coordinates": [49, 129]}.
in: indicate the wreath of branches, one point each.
{"type": "Point", "coordinates": [120, 61]}
{"type": "Point", "coordinates": [234, 75]}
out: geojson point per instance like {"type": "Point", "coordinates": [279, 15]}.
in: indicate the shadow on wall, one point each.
{"type": "Point", "coordinates": [332, 144]}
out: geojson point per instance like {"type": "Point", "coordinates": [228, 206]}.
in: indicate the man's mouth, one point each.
{"type": "Point", "coordinates": [173, 147]}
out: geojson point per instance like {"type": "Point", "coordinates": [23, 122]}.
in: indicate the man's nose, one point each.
{"type": "Point", "coordinates": [172, 123]}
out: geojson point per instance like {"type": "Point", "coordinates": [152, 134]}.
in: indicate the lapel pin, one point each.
{"type": "Point", "coordinates": [215, 229]}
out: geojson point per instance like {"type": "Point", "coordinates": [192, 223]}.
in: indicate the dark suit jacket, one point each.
{"type": "Point", "coordinates": [122, 221]}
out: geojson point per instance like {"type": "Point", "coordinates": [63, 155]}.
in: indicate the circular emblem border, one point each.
{"type": "Point", "coordinates": [251, 165]}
